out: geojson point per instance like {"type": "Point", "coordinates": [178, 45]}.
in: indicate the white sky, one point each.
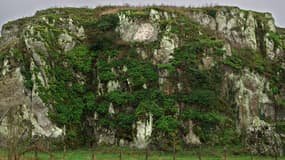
{"type": "Point", "coordinates": [14, 9]}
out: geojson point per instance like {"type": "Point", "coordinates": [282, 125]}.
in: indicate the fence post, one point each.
{"type": "Point", "coordinates": [199, 153]}
{"type": "Point", "coordinates": [120, 154]}
{"type": "Point", "coordinates": [225, 153]}
{"type": "Point", "coordinates": [64, 144]}
{"type": "Point", "coordinates": [93, 156]}
{"type": "Point", "coordinates": [146, 153]}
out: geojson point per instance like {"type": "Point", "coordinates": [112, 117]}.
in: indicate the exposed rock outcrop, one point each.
{"type": "Point", "coordinates": [241, 28]}
{"type": "Point", "coordinates": [26, 107]}
{"type": "Point", "coordinates": [252, 97]}
{"type": "Point", "coordinates": [95, 71]}
{"type": "Point", "coordinates": [262, 139]}
{"type": "Point", "coordinates": [143, 132]}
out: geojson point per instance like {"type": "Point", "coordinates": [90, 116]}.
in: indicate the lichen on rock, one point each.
{"type": "Point", "coordinates": [262, 138]}
{"type": "Point", "coordinates": [133, 30]}
{"type": "Point", "coordinates": [144, 77]}
{"type": "Point", "coordinates": [143, 132]}
{"type": "Point", "coordinates": [251, 97]}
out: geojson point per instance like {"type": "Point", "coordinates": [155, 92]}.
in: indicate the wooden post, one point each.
{"type": "Point", "coordinates": [64, 144]}
{"type": "Point", "coordinates": [93, 156]}
{"type": "Point", "coordinates": [120, 154]}
{"type": "Point", "coordinates": [36, 152]}
{"type": "Point", "coordinates": [174, 147]}
{"type": "Point", "coordinates": [146, 153]}
{"type": "Point", "coordinates": [199, 153]}
{"type": "Point", "coordinates": [225, 153]}
{"type": "Point", "coordinates": [48, 148]}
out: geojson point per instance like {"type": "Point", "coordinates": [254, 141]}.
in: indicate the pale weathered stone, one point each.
{"type": "Point", "coordinates": [66, 42]}
{"type": "Point", "coordinates": [251, 97]}
{"type": "Point", "coordinates": [154, 15]}
{"type": "Point", "coordinates": [113, 86]}
{"type": "Point", "coordinates": [269, 46]}
{"type": "Point", "coordinates": [132, 30]}
{"type": "Point", "coordinates": [106, 137]}
{"type": "Point", "coordinates": [191, 137]}
{"type": "Point", "coordinates": [168, 44]}
{"type": "Point", "coordinates": [143, 132]}
{"type": "Point", "coordinates": [111, 109]}
{"type": "Point", "coordinates": [207, 62]}
{"type": "Point", "coordinates": [5, 67]}
{"type": "Point", "coordinates": [33, 110]}
{"type": "Point", "coordinates": [262, 139]}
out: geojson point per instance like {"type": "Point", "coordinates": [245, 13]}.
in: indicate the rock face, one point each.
{"type": "Point", "coordinates": [242, 28]}
{"type": "Point", "coordinates": [251, 97]}
{"type": "Point", "coordinates": [130, 30]}
{"type": "Point", "coordinates": [26, 108]}
{"type": "Point", "coordinates": [191, 138]}
{"type": "Point", "coordinates": [15, 96]}
{"type": "Point", "coordinates": [262, 139]}
{"type": "Point", "coordinates": [144, 130]}
{"type": "Point", "coordinates": [254, 104]}
{"type": "Point", "coordinates": [144, 77]}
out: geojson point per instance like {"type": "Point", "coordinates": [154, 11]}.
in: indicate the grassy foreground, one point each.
{"type": "Point", "coordinates": [128, 154]}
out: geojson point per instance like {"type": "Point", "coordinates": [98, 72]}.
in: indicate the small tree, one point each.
{"type": "Point", "coordinates": [169, 126]}
{"type": "Point", "coordinates": [17, 131]}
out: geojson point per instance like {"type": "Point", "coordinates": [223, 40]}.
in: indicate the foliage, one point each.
{"type": "Point", "coordinates": [212, 13]}
{"type": "Point", "coordinates": [234, 62]}
{"type": "Point", "coordinates": [234, 152]}
{"type": "Point", "coordinates": [281, 102]}
{"type": "Point", "coordinates": [147, 106]}
{"type": "Point", "coordinates": [276, 39]}
{"type": "Point", "coordinates": [119, 98]}
{"type": "Point", "coordinates": [206, 117]}
{"type": "Point", "coordinates": [125, 121]}
{"type": "Point", "coordinates": [168, 67]}
{"type": "Point", "coordinates": [141, 73]}
{"type": "Point", "coordinates": [138, 14]}
{"type": "Point", "coordinates": [79, 80]}
{"type": "Point", "coordinates": [81, 59]}
{"type": "Point", "coordinates": [203, 97]}
{"type": "Point", "coordinates": [107, 22]}
{"type": "Point", "coordinates": [167, 124]}
{"type": "Point", "coordinates": [248, 58]}
{"type": "Point", "coordinates": [25, 68]}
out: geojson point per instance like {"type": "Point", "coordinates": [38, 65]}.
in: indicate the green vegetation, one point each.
{"type": "Point", "coordinates": [248, 58]}
{"type": "Point", "coordinates": [276, 39]}
{"type": "Point", "coordinates": [106, 58]}
{"type": "Point", "coordinates": [212, 13]}
{"type": "Point", "coordinates": [107, 153]}
{"type": "Point", "coordinates": [105, 75]}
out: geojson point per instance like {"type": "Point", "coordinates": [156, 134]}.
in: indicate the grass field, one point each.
{"type": "Point", "coordinates": [128, 154]}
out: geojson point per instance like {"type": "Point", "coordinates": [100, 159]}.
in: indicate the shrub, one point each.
{"type": "Point", "coordinates": [168, 67]}
{"type": "Point", "coordinates": [234, 62]}
{"type": "Point", "coordinates": [125, 121]}
{"type": "Point", "coordinates": [148, 106]}
{"type": "Point", "coordinates": [81, 59]}
{"type": "Point", "coordinates": [107, 22]}
{"type": "Point", "coordinates": [275, 38]}
{"type": "Point", "coordinates": [119, 98]}
{"type": "Point", "coordinates": [167, 124]}
{"type": "Point", "coordinates": [212, 13]}
{"type": "Point", "coordinates": [203, 97]}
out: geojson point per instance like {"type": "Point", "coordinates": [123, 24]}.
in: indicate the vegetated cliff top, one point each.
{"type": "Point", "coordinates": [87, 14]}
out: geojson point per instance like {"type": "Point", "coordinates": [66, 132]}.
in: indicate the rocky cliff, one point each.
{"type": "Point", "coordinates": [145, 77]}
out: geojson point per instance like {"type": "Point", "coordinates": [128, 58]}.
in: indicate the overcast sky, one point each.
{"type": "Point", "coordinates": [14, 9]}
